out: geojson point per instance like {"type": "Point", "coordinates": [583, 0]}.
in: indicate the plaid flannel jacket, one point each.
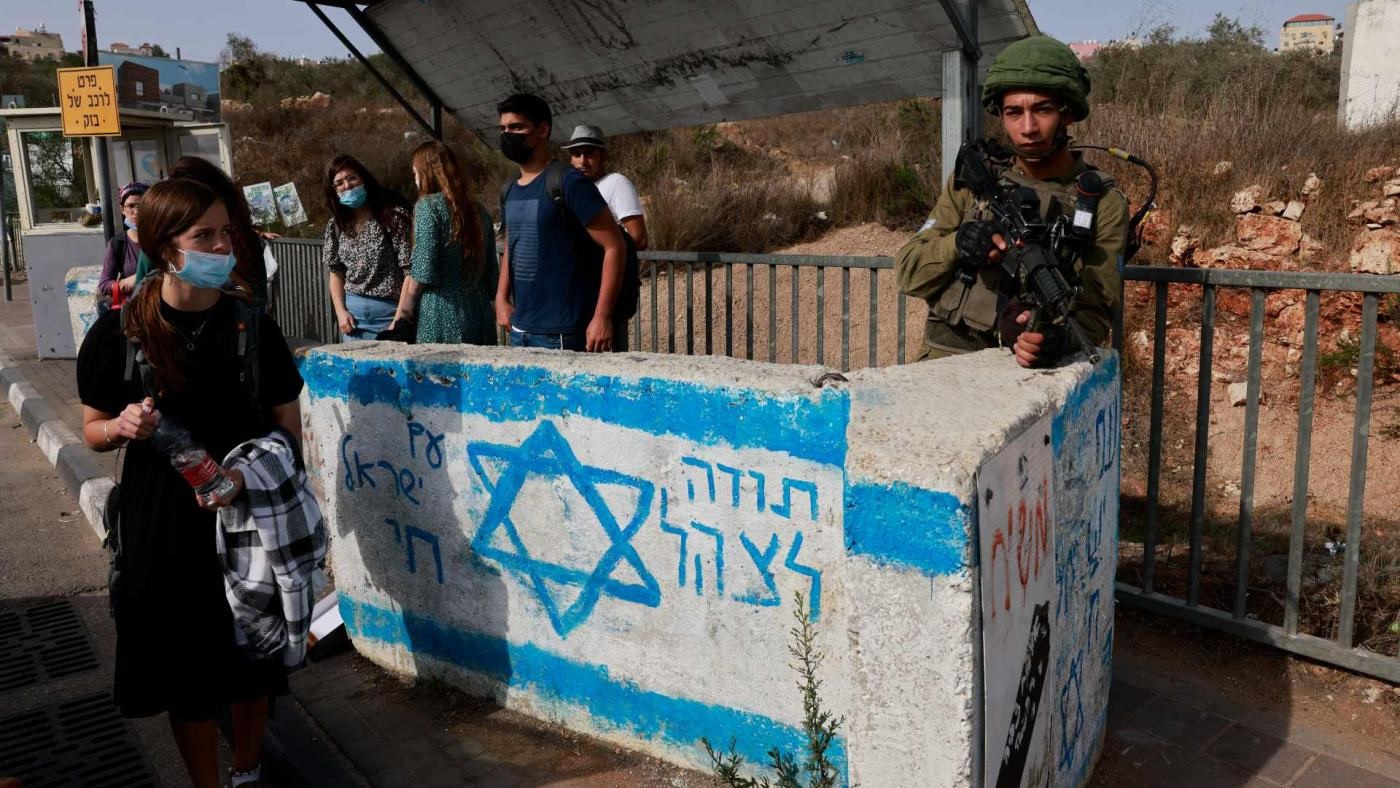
{"type": "Point", "coordinates": [270, 540]}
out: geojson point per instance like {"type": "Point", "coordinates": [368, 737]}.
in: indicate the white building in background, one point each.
{"type": "Point", "coordinates": [33, 45]}
{"type": "Point", "coordinates": [1316, 32]}
{"type": "Point", "coordinates": [1370, 91]}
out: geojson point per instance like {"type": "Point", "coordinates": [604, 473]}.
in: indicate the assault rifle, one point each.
{"type": "Point", "coordinates": [1034, 247]}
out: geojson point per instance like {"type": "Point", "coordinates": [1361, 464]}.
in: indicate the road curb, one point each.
{"type": "Point", "coordinates": [78, 466]}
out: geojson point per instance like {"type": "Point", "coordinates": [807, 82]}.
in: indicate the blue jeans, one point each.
{"type": "Point", "coordinates": [372, 315]}
{"type": "Point", "coordinates": [578, 341]}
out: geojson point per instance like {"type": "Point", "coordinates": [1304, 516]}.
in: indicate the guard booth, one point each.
{"type": "Point", "coordinates": [56, 183]}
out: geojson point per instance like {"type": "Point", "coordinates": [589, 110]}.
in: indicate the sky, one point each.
{"type": "Point", "coordinates": [286, 27]}
{"type": "Point", "coordinates": [198, 27]}
{"type": "Point", "coordinates": [1104, 20]}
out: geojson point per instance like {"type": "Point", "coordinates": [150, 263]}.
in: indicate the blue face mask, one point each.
{"type": "Point", "coordinates": [130, 223]}
{"type": "Point", "coordinates": [354, 198]}
{"type": "Point", "coordinates": [204, 269]}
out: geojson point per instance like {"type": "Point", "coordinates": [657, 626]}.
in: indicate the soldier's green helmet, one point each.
{"type": "Point", "coordinates": [1038, 63]}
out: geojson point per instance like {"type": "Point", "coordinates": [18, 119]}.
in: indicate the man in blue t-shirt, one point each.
{"type": "Point", "coordinates": [552, 292]}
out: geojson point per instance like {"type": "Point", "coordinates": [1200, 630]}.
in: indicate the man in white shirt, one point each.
{"type": "Point", "coordinates": [588, 152]}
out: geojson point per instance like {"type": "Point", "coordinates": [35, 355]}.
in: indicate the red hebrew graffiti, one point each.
{"type": "Point", "coordinates": [1028, 527]}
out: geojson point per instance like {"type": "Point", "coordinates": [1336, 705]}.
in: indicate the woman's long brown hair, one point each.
{"type": "Point", "coordinates": [168, 209]}
{"type": "Point", "coordinates": [441, 171]}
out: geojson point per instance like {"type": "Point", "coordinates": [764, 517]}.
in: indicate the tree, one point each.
{"type": "Point", "coordinates": [1231, 32]}
{"type": "Point", "coordinates": [245, 68]}
{"type": "Point", "coordinates": [238, 48]}
{"type": "Point", "coordinates": [159, 51]}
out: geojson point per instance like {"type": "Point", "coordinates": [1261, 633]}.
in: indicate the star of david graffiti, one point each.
{"type": "Point", "coordinates": [546, 453]}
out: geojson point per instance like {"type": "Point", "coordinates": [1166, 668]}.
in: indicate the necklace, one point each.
{"type": "Point", "coordinates": [194, 335]}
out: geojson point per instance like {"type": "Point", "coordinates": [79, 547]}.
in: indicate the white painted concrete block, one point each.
{"type": "Point", "coordinates": [614, 542]}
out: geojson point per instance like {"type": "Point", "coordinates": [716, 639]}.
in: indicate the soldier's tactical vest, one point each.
{"type": "Point", "coordinates": [975, 308]}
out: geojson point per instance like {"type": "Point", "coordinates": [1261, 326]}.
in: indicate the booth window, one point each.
{"type": "Point", "coordinates": [60, 177]}
{"type": "Point", "coordinates": [205, 146]}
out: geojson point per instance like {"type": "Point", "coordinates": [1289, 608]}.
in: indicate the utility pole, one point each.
{"type": "Point", "coordinates": [104, 174]}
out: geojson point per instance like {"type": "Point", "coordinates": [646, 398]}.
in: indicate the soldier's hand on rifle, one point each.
{"type": "Point", "coordinates": [1039, 348]}
{"type": "Point", "coordinates": [979, 244]}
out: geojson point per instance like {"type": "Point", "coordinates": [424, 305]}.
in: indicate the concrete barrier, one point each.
{"type": "Point", "coordinates": [80, 285]}
{"type": "Point", "coordinates": [614, 543]}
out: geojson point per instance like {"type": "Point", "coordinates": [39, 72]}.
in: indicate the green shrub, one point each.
{"type": "Point", "coordinates": [818, 724]}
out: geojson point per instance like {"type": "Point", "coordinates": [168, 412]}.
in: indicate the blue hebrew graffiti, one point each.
{"type": "Point", "coordinates": [735, 475]}
{"type": "Point", "coordinates": [411, 533]}
{"type": "Point", "coordinates": [814, 593]}
{"type": "Point", "coordinates": [432, 448]}
{"type": "Point", "coordinates": [1071, 713]}
{"type": "Point", "coordinates": [762, 561]}
{"type": "Point", "coordinates": [759, 495]}
{"type": "Point", "coordinates": [404, 536]}
{"type": "Point", "coordinates": [690, 563]}
{"type": "Point", "coordinates": [405, 481]}
{"type": "Point", "coordinates": [666, 527]}
{"type": "Point", "coordinates": [709, 477]}
{"type": "Point", "coordinates": [356, 472]}
{"type": "Point", "coordinates": [546, 453]}
{"type": "Point", "coordinates": [784, 509]}
{"type": "Point", "coordinates": [715, 534]}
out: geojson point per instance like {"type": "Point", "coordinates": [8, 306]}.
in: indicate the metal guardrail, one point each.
{"type": "Point", "coordinates": [298, 296]}
{"type": "Point", "coordinates": [1340, 650]}
{"type": "Point", "coordinates": [300, 301]}
{"type": "Point", "coordinates": [301, 304]}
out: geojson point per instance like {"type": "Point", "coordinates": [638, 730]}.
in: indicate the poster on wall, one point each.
{"type": "Point", "coordinates": [1015, 525]}
{"type": "Point", "coordinates": [183, 89]}
{"type": "Point", "coordinates": [261, 202]}
{"type": "Point", "coordinates": [289, 204]}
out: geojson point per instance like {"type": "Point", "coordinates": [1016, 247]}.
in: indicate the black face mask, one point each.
{"type": "Point", "coordinates": [515, 148]}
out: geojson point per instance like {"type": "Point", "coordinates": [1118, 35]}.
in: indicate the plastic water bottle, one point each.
{"type": "Point", "coordinates": [191, 460]}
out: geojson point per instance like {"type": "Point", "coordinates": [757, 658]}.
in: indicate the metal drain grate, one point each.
{"type": "Point", "coordinates": [83, 742]}
{"type": "Point", "coordinates": [42, 642]}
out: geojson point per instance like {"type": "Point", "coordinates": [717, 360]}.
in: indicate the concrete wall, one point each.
{"type": "Point", "coordinates": [614, 543]}
{"type": "Point", "coordinates": [80, 285]}
{"type": "Point", "coordinates": [1371, 63]}
{"type": "Point", "coordinates": [49, 255]}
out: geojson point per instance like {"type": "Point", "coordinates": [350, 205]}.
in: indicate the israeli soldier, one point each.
{"type": "Point", "coordinates": [1037, 88]}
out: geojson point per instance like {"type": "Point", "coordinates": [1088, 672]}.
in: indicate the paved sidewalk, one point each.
{"type": "Point", "coordinates": [1164, 730]}
{"type": "Point", "coordinates": [1171, 731]}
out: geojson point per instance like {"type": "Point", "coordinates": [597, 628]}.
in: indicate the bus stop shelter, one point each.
{"type": "Point", "coordinates": [660, 64]}
{"type": "Point", "coordinates": [56, 185]}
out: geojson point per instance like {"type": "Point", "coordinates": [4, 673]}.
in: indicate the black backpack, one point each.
{"type": "Point", "coordinates": [631, 290]}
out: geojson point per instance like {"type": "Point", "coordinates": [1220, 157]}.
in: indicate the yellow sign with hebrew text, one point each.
{"type": "Point", "coordinates": [88, 97]}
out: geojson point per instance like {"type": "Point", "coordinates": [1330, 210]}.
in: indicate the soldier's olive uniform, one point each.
{"type": "Point", "coordinates": [963, 318]}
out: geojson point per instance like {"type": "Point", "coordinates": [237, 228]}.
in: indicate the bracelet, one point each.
{"type": "Point", "coordinates": [105, 435]}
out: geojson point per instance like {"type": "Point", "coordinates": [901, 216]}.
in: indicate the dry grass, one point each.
{"type": "Point", "coordinates": [1187, 106]}
{"type": "Point", "coordinates": [271, 143]}
{"type": "Point", "coordinates": [760, 185]}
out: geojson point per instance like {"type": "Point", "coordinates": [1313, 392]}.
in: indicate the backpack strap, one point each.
{"type": "Point", "coordinates": [247, 320]}
{"type": "Point", "coordinates": [554, 186]}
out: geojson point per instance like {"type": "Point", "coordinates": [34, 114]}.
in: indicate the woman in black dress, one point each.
{"type": "Point", "coordinates": [175, 633]}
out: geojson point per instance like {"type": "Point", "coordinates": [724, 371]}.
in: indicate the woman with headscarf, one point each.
{"type": "Point", "coordinates": [118, 277]}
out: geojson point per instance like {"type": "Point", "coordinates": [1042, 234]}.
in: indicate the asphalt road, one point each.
{"type": "Point", "coordinates": [47, 547]}
{"type": "Point", "coordinates": [48, 550]}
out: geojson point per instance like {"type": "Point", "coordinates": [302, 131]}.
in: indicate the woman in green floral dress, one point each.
{"type": "Point", "coordinates": [454, 271]}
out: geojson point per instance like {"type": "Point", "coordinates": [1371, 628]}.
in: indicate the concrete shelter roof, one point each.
{"type": "Point", "coordinates": [652, 64]}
